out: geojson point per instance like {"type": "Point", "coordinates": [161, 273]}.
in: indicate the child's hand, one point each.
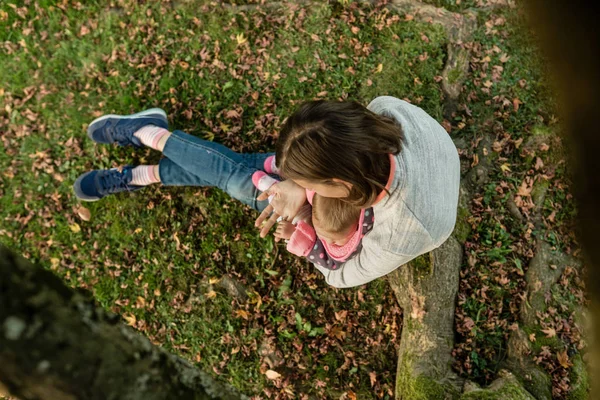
{"type": "Point", "coordinates": [284, 230]}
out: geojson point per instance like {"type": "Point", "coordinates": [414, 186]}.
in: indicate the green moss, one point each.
{"type": "Point", "coordinates": [539, 191]}
{"type": "Point", "coordinates": [422, 265]}
{"type": "Point", "coordinates": [512, 391]}
{"type": "Point", "coordinates": [541, 340]}
{"type": "Point", "coordinates": [454, 75]}
{"type": "Point", "coordinates": [539, 383]}
{"type": "Point", "coordinates": [462, 230]}
{"type": "Point", "coordinates": [580, 385]}
{"type": "Point", "coordinates": [409, 387]}
{"type": "Point", "coordinates": [540, 130]}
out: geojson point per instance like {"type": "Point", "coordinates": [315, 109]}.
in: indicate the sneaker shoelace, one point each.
{"type": "Point", "coordinates": [115, 180]}
{"type": "Point", "coordinates": [121, 134]}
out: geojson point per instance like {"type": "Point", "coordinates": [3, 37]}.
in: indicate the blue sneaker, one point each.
{"type": "Point", "coordinates": [119, 129]}
{"type": "Point", "coordinates": [96, 184]}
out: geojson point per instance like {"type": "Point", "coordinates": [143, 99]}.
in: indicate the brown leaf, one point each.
{"type": "Point", "coordinates": [84, 213]}
{"type": "Point", "coordinates": [532, 337]}
{"type": "Point", "coordinates": [272, 374]}
{"type": "Point", "coordinates": [538, 163]}
{"type": "Point", "coordinates": [525, 188]}
{"type": "Point", "coordinates": [84, 30]}
{"type": "Point", "coordinates": [373, 377]}
{"type": "Point", "coordinates": [518, 142]}
{"type": "Point", "coordinates": [563, 359]}
{"type": "Point", "coordinates": [130, 319]}
{"type": "Point", "coordinates": [550, 332]}
{"type": "Point", "coordinates": [516, 102]}
{"type": "Point", "coordinates": [338, 332]}
{"type": "Point", "coordinates": [468, 323]}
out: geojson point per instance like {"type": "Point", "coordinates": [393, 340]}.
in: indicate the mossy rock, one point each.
{"type": "Point", "coordinates": [538, 192]}
{"type": "Point", "coordinates": [455, 74]}
{"type": "Point", "coordinates": [541, 130]}
{"type": "Point", "coordinates": [462, 229]}
{"type": "Point", "coordinates": [507, 387]}
{"type": "Point", "coordinates": [420, 387]}
{"type": "Point", "coordinates": [422, 265]}
{"type": "Point", "coordinates": [580, 384]}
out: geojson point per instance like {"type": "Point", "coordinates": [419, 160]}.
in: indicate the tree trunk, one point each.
{"type": "Point", "coordinates": [426, 289]}
{"type": "Point", "coordinates": [56, 343]}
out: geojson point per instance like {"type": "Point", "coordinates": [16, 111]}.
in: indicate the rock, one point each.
{"type": "Point", "coordinates": [506, 387]}
{"type": "Point", "coordinates": [540, 277]}
{"type": "Point", "coordinates": [233, 288]}
{"type": "Point", "coordinates": [462, 229]}
{"type": "Point", "coordinates": [580, 385]}
{"type": "Point", "coordinates": [534, 379]}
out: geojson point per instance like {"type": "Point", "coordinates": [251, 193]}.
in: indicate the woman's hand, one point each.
{"type": "Point", "coordinates": [284, 230]}
{"type": "Point", "coordinates": [287, 200]}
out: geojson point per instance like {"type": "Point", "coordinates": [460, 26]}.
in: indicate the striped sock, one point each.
{"type": "Point", "coordinates": [151, 135]}
{"type": "Point", "coordinates": [263, 181]}
{"type": "Point", "coordinates": [144, 175]}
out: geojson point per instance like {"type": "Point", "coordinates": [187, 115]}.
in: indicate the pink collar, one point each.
{"type": "Point", "coordinates": [340, 253]}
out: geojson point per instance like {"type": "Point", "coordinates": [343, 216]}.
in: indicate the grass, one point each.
{"type": "Point", "coordinates": [155, 256]}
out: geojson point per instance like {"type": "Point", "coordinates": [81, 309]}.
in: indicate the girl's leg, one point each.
{"type": "Point", "coordinates": [191, 161]}
{"type": "Point", "coordinates": [157, 137]}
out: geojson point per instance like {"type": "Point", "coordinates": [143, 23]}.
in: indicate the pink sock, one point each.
{"type": "Point", "coordinates": [263, 181]}
{"type": "Point", "coordinates": [144, 175]}
{"type": "Point", "coordinates": [270, 166]}
{"type": "Point", "coordinates": [150, 135]}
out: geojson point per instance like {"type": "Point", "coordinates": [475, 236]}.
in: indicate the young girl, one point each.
{"type": "Point", "coordinates": [337, 226]}
{"type": "Point", "coordinates": [390, 156]}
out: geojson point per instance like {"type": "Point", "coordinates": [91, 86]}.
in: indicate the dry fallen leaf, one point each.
{"type": "Point", "coordinates": [563, 359]}
{"type": "Point", "coordinates": [130, 319]}
{"type": "Point", "coordinates": [242, 313]}
{"type": "Point", "coordinates": [532, 337]}
{"type": "Point", "coordinates": [550, 332]}
{"type": "Point", "coordinates": [272, 374]}
{"type": "Point", "coordinates": [75, 228]}
{"type": "Point", "coordinates": [84, 213]}
{"type": "Point", "coordinates": [373, 377]}
{"type": "Point", "coordinates": [240, 38]}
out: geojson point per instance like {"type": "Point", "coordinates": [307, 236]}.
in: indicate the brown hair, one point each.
{"type": "Point", "coordinates": [334, 215]}
{"type": "Point", "coordinates": [326, 140]}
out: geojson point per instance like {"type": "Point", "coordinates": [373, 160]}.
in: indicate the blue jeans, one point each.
{"type": "Point", "coordinates": [191, 161]}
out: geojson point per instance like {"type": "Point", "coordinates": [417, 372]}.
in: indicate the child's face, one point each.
{"type": "Point", "coordinates": [336, 238]}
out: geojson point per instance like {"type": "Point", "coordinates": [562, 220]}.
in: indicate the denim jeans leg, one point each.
{"type": "Point", "coordinates": [196, 162]}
